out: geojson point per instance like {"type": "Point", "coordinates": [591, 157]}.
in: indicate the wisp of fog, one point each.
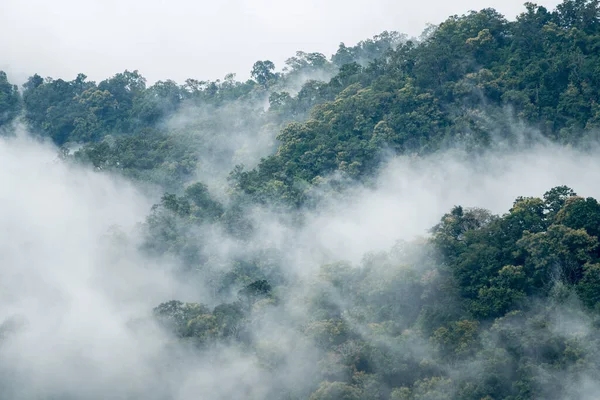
{"type": "Point", "coordinates": [74, 288]}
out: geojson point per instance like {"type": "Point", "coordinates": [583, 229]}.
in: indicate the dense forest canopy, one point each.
{"type": "Point", "coordinates": [483, 306]}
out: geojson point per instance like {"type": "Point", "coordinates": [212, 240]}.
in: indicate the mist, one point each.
{"type": "Point", "coordinates": [411, 194]}
{"type": "Point", "coordinates": [68, 291]}
{"type": "Point", "coordinates": [406, 220]}
{"type": "Point", "coordinates": [74, 285]}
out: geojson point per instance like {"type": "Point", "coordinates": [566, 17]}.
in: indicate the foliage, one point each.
{"type": "Point", "coordinates": [454, 87]}
{"type": "Point", "coordinates": [489, 307]}
{"type": "Point", "coordinates": [10, 100]}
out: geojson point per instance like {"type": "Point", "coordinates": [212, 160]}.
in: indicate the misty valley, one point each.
{"type": "Point", "coordinates": [406, 219]}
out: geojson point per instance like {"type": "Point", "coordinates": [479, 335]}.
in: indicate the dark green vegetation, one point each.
{"type": "Point", "coordinates": [492, 307]}
{"type": "Point", "coordinates": [488, 307]}
{"type": "Point", "coordinates": [165, 133]}
{"type": "Point", "coordinates": [461, 84]}
{"type": "Point", "coordinates": [9, 100]}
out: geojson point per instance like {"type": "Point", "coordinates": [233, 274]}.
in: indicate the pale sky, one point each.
{"type": "Point", "coordinates": [179, 39]}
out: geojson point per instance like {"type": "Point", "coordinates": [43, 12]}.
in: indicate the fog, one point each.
{"type": "Point", "coordinates": [108, 290]}
{"type": "Point", "coordinates": [76, 293]}
{"type": "Point", "coordinates": [205, 40]}
{"type": "Point", "coordinates": [412, 194]}
{"type": "Point", "coordinates": [69, 301]}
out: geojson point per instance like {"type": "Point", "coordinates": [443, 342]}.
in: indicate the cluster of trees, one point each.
{"type": "Point", "coordinates": [461, 85]}
{"type": "Point", "coordinates": [491, 307]}
{"type": "Point", "coordinates": [9, 100]}
{"type": "Point", "coordinates": [455, 85]}
{"type": "Point", "coordinates": [196, 323]}
{"type": "Point", "coordinates": [500, 261]}
{"type": "Point", "coordinates": [164, 133]}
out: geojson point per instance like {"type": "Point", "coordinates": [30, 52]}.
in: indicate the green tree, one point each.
{"type": "Point", "coordinates": [262, 72]}
{"type": "Point", "coordinates": [10, 100]}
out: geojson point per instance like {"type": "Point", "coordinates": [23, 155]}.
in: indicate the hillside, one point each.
{"type": "Point", "coordinates": [269, 289]}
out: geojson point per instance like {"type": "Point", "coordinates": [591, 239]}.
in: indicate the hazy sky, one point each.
{"type": "Point", "coordinates": [178, 39]}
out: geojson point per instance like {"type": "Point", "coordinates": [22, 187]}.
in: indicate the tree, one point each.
{"type": "Point", "coordinates": [578, 213]}
{"type": "Point", "coordinates": [255, 291]}
{"type": "Point", "coordinates": [175, 315]}
{"type": "Point", "coordinates": [555, 199]}
{"type": "Point", "coordinates": [97, 115]}
{"type": "Point", "coordinates": [204, 207]}
{"type": "Point", "coordinates": [589, 286]}
{"type": "Point", "coordinates": [10, 100]}
{"type": "Point", "coordinates": [125, 87]}
{"type": "Point", "coordinates": [558, 253]}
{"type": "Point", "coordinates": [262, 72]}
{"type": "Point", "coordinates": [308, 62]}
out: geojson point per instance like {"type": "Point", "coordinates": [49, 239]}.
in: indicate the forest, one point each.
{"type": "Point", "coordinates": [251, 192]}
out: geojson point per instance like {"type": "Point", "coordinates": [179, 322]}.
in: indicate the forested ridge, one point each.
{"type": "Point", "coordinates": [484, 306]}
